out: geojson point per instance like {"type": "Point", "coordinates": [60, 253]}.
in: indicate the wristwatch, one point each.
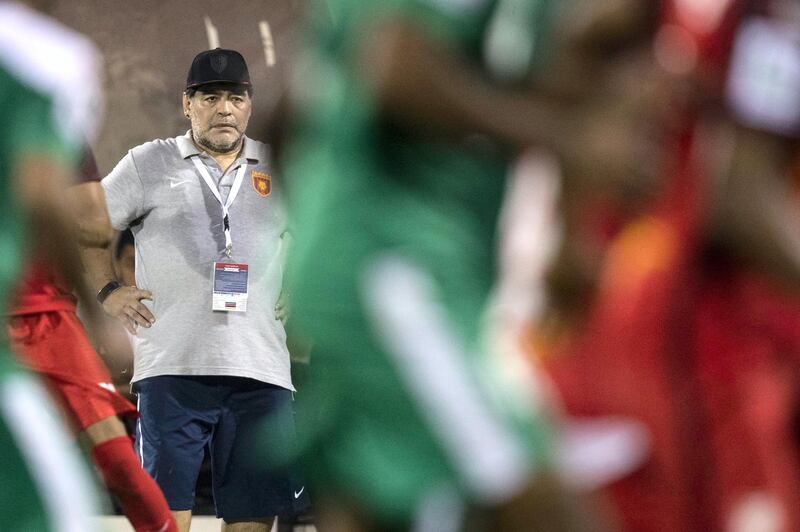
{"type": "Point", "coordinates": [107, 289]}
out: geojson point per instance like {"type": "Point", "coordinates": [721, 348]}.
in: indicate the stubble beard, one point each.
{"type": "Point", "coordinates": [217, 147]}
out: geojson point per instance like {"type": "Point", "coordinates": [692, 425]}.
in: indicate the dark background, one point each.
{"type": "Point", "coordinates": [148, 45]}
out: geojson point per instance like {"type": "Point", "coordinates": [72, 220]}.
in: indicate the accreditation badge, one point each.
{"type": "Point", "coordinates": [229, 287]}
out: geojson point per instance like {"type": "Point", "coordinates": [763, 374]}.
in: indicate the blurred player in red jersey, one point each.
{"type": "Point", "coordinates": [47, 336]}
{"type": "Point", "coordinates": [616, 363]}
{"type": "Point", "coordinates": [746, 316]}
{"type": "Point", "coordinates": [689, 330]}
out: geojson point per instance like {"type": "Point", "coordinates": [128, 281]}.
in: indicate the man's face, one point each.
{"type": "Point", "coordinates": [219, 118]}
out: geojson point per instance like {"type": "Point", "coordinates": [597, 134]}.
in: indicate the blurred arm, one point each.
{"type": "Point", "coordinates": [39, 181]}
{"type": "Point", "coordinates": [423, 84]}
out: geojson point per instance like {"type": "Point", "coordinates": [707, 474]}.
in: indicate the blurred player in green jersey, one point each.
{"type": "Point", "coordinates": [48, 86]}
{"type": "Point", "coordinates": [410, 112]}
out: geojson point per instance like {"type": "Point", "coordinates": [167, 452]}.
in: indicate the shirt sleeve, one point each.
{"type": "Point", "coordinates": [124, 193]}
{"type": "Point", "coordinates": [35, 131]}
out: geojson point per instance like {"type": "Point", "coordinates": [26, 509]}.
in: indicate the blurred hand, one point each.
{"type": "Point", "coordinates": [125, 304]}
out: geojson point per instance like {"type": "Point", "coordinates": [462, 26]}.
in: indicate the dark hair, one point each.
{"type": "Point", "coordinates": [235, 88]}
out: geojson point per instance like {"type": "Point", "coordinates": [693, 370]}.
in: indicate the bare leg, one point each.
{"type": "Point", "coordinates": [102, 431]}
{"type": "Point", "coordinates": [255, 525]}
{"type": "Point", "coordinates": [333, 516]}
{"type": "Point", "coordinates": [183, 518]}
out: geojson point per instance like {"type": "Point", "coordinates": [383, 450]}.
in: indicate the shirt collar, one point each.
{"type": "Point", "coordinates": [187, 148]}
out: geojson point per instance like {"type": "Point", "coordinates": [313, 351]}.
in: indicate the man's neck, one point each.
{"type": "Point", "coordinates": [224, 160]}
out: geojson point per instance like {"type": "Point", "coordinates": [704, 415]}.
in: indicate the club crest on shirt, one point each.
{"type": "Point", "coordinates": [262, 182]}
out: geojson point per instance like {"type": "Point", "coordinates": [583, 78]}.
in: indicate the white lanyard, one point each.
{"type": "Point", "coordinates": [237, 183]}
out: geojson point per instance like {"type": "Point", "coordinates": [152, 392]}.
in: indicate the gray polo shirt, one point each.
{"type": "Point", "coordinates": [177, 222]}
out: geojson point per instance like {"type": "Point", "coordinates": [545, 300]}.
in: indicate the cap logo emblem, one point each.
{"type": "Point", "coordinates": [218, 63]}
{"type": "Point", "coordinates": [262, 182]}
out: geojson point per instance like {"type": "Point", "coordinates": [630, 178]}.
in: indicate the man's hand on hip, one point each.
{"type": "Point", "coordinates": [125, 304]}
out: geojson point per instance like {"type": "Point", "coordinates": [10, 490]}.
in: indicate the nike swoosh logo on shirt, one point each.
{"type": "Point", "coordinates": [298, 493]}
{"type": "Point", "coordinates": [174, 184]}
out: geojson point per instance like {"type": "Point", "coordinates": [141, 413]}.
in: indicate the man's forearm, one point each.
{"type": "Point", "coordinates": [95, 238]}
{"type": "Point", "coordinates": [98, 266]}
{"type": "Point", "coordinates": [94, 232]}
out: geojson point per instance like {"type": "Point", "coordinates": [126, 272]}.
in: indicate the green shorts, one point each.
{"type": "Point", "coordinates": [400, 411]}
{"type": "Point", "coordinates": [44, 484]}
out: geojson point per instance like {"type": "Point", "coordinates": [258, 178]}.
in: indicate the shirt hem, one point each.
{"type": "Point", "coordinates": [218, 372]}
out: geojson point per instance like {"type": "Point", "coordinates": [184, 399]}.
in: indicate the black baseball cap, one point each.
{"type": "Point", "coordinates": [218, 66]}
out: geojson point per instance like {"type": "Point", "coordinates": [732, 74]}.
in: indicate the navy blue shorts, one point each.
{"type": "Point", "coordinates": [182, 416]}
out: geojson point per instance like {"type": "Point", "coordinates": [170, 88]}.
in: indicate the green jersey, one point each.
{"type": "Point", "coordinates": [372, 184]}
{"type": "Point", "coordinates": [33, 132]}
{"type": "Point", "coordinates": [47, 84]}
{"type": "Point", "coordinates": [362, 187]}
{"type": "Point", "coordinates": [46, 93]}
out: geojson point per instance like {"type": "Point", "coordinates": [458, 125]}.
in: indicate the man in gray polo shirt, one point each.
{"type": "Point", "coordinates": [210, 355]}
